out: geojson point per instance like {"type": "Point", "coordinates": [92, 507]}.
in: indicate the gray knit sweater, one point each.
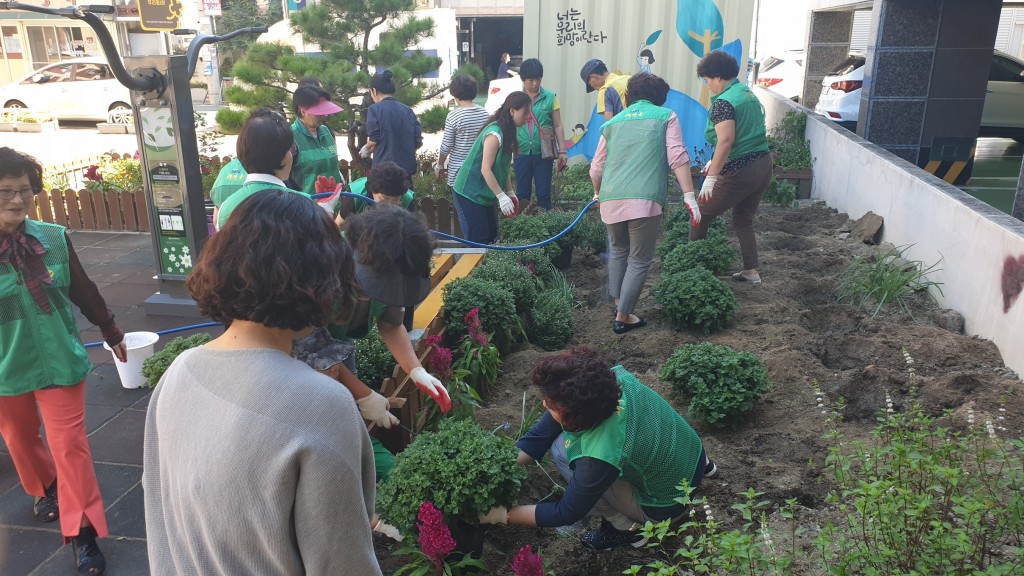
{"type": "Point", "coordinates": [256, 464]}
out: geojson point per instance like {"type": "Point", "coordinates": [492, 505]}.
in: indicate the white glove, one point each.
{"type": "Point", "coordinates": [437, 169]}
{"type": "Point", "coordinates": [432, 386]}
{"type": "Point", "coordinates": [707, 189]}
{"type": "Point", "coordinates": [505, 204]}
{"type": "Point", "coordinates": [691, 205]}
{"type": "Point", "coordinates": [365, 151]}
{"type": "Point", "coordinates": [496, 515]}
{"type": "Point", "coordinates": [388, 530]}
{"type": "Point", "coordinates": [375, 409]}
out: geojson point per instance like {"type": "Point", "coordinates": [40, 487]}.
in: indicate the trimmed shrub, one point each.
{"type": "Point", "coordinates": [525, 229]}
{"type": "Point", "coordinates": [720, 383]}
{"type": "Point", "coordinates": [432, 119]}
{"type": "Point", "coordinates": [463, 469]}
{"type": "Point", "coordinates": [574, 183]}
{"type": "Point", "coordinates": [715, 254]}
{"type": "Point", "coordinates": [497, 310]}
{"type": "Point", "coordinates": [513, 276]}
{"type": "Point", "coordinates": [374, 361]}
{"type": "Point", "coordinates": [551, 325]}
{"type": "Point", "coordinates": [679, 233]}
{"type": "Point", "coordinates": [695, 298]}
{"type": "Point", "coordinates": [230, 121]}
{"type": "Point", "coordinates": [535, 260]}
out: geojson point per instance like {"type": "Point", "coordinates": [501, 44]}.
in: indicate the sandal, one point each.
{"type": "Point", "coordinates": [46, 508]}
{"type": "Point", "coordinates": [739, 277]}
{"type": "Point", "coordinates": [88, 558]}
{"type": "Point", "coordinates": [622, 327]}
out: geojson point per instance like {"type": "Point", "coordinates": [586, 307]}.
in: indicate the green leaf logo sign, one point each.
{"type": "Point", "coordinates": [157, 128]}
{"type": "Point", "coordinates": [699, 24]}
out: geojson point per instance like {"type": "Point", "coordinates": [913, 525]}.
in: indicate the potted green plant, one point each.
{"type": "Point", "coordinates": [7, 116]}
{"type": "Point", "coordinates": [791, 153]}
{"type": "Point", "coordinates": [35, 122]}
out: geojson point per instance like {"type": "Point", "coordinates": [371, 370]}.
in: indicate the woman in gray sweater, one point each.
{"type": "Point", "coordinates": [254, 462]}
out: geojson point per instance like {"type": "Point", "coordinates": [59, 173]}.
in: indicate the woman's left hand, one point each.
{"type": "Point", "coordinates": [120, 351]}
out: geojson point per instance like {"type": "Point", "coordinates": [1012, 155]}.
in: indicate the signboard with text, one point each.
{"type": "Point", "coordinates": [212, 8]}
{"type": "Point", "coordinates": [159, 14]}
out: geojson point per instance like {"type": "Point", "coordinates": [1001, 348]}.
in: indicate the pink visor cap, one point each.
{"type": "Point", "coordinates": [323, 108]}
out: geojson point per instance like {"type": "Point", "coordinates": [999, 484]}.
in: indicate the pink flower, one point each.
{"type": "Point", "coordinates": [528, 563]}
{"type": "Point", "coordinates": [475, 328]}
{"type": "Point", "coordinates": [435, 538]}
{"type": "Point", "coordinates": [439, 359]}
{"type": "Point", "coordinates": [137, 155]}
{"type": "Point", "coordinates": [531, 266]}
{"type": "Point", "coordinates": [93, 173]}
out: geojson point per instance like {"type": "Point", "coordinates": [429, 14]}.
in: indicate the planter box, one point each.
{"type": "Point", "coordinates": [801, 178]}
{"type": "Point", "coordinates": [6, 126]}
{"type": "Point", "coordinates": [198, 95]}
{"type": "Point", "coordinates": [35, 127]}
{"type": "Point", "coordinates": [108, 128]}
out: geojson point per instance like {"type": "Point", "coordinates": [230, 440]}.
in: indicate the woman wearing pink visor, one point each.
{"type": "Point", "coordinates": [318, 151]}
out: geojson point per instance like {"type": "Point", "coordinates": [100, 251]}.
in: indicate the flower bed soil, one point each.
{"type": "Point", "coordinates": [794, 325]}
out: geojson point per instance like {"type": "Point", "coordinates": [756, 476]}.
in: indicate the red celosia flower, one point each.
{"type": "Point", "coordinates": [435, 538]}
{"type": "Point", "coordinates": [439, 359]}
{"type": "Point", "coordinates": [93, 173]}
{"type": "Point", "coordinates": [531, 266]}
{"type": "Point", "coordinates": [528, 563]}
{"type": "Point", "coordinates": [475, 328]}
{"type": "Point", "coordinates": [137, 155]}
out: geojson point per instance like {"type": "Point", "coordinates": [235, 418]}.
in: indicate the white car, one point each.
{"type": "Point", "coordinates": [783, 74]}
{"type": "Point", "coordinates": [78, 89]}
{"type": "Point", "coordinates": [498, 90]}
{"type": "Point", "coordinates": [1002, 116]}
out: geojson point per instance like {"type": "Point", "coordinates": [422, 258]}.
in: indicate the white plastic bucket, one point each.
{"type": "Point", "coordinates": [140, 346]}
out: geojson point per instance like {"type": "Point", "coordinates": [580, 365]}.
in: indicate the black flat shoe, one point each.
{"type": "Point", "coordinates": [622, 327]}
{"type": "Point", "coordinates": [88, 558]}
{"type": "Point", "coordinates": [46, 508]}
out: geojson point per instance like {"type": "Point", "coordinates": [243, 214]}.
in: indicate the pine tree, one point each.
{"type": "Point", "coordinates": [342, 29]}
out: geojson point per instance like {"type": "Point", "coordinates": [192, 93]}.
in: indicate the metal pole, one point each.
{"type": "Point", "coordinates": [215, 84]}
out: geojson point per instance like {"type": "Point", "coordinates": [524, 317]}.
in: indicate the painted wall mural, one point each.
{"type": "Point", "coordinates": [699, 29]}
{"type": "Point", "coordinates": [1013, 280]}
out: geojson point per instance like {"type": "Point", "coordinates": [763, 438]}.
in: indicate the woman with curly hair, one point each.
{"type": "Point", "coordinates": [254, 463]}
{"type": "Point", "coordinates": [385, 184]}
{"type": "Point", "coordinates": [624, 450]}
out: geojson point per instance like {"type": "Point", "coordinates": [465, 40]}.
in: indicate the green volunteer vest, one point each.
{"type": "Point", "coordinates": [244, 192]}
{"type": "Point", "coordinates": [318, 156]}
{"type": "Point", "coordinates": [654, 449]}
{"type": "Point", "coordinates": [529, 134]}
{"type": "Point", "coordinates": [229, 180]}
{"type": "Point", "coordinates": [750, 134]}
{"type": "Point", "coordinates": [359, 187]}
{"type": "Point", "coordinates": [341, 331]}
{"type": "Point", "coordinates": [637, 159]}
{"type": "Point", "coordinates": [37, 349]}
{"type": "Point", "coordinates": [470, 182]}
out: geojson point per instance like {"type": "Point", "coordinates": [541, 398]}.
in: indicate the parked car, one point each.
{"type": "Point", "coordinates": [499, 89]}
{"type": "Point", "coordinates": [1002, 116]}
{"type": "Point", "coordinates": [78, 89]}
{"type": "Point", "coordinates": [783, 74]}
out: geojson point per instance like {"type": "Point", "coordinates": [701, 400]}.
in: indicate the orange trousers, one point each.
{"type": "Point", "coordinates": [68, 458]}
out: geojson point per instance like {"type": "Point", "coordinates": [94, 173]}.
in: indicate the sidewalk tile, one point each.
{"type": "Point", "coordinates": [125, 557]}
{"type": "Point", "coordinates": [128, 516]}
{"type": "Point", "coordinates": [26, 549]}
{"type": "Point", "coordinates": [103, 388]}
{"type": "Point", "coordinates": [119, 441]}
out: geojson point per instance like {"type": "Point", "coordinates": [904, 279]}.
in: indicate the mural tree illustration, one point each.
{"type": "Point", "coordinates": [699, 24]}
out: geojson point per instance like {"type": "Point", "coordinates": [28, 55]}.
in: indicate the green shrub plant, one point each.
{"type": "Point", "coordinates": [883, 278]}
{"type": "Point", "coordinates": [153, 368]}
{"type": "Point", "coordinates": [720, 383]}
{"type": "Point", "coordinates": [713, 253]}
{"type": "Point", "coordinates": [515, 277]}
{"type": "Point", "coordinates": [781, 193]}
{"type": "Point", "coordinates": [695, 298]}
{"type": "Point", "coordinates": [374, 361]}
{"type": "Point", "coordinates": [550, 325]}
{"type": "Point", "coordinates": [497, 310]}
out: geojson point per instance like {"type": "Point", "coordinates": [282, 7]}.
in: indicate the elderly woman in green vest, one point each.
{"type": "Point", "coordinates": [318, 151]}
{"type": "Point", "coordinates": [43, 363]}
{"type": "Point", "coordinates": [264, 148]}
{"type": "Point", "coordinates": [741, 168]}
{"type": "Point", "coordinates": [637, 147]}
{"type": "Point", "coordinates": [540, 139]}
{"type": "Point", "coordinates": [384, 185]}
{"type": "Point", "coordinates": [628, 456]}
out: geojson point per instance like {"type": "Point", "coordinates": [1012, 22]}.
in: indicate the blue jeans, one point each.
{"type": "Point", "coordinates": [481, 222]}
{"type": "Point", "coordinates": [533, 174]}
{"type": "Point", "coordinates": [458, 211]}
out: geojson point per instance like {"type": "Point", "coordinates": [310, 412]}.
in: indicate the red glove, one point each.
{"type": "Point", "coordinates": [433, 388]}
{"type": "Point", "coordinates": [325, 184]}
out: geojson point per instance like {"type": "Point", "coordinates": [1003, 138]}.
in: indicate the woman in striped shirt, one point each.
{"type": "Point", "coordinates": [460, 131]}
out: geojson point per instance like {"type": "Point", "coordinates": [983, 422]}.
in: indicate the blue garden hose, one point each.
{"type": "Point", "coordinates": [441, 234]}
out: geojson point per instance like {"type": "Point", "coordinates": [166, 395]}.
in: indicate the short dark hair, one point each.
{"type": "Point", "coordinates": [279, 261]}
{"type": "Point", "coordinates": [310, 81]}
{"type": "Point", "coordinates": [581, 385]}
{"type": "Point", "coordinates": [264, 141]}
{"type": "Point", "coordinates": [601, 69]}
{"type": "Point", "coordinates": [14, 164]}
{"type": "Point", "coordinates": [531, 69]}
{"type": "Point", "coordinates": [718, 64]}
{"type": "Point", "coordinates": [383, 82]}
{"type": "Point", "coordinates": [463, 87]}
{"type": "Point", "coordinates": [387, 178]}
{"type": "Point", "coordinates": [389, 238]}
{"type": "Point", "coordinates": [646, 87]}
{"type": "Point", "coordinates": [307, 96]}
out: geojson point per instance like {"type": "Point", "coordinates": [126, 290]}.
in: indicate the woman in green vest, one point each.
{"type": "Point", "coordinates": [43, 363]}
{"type": "Point", "coordinates": [741, 168]}
{"type": "Point", "coordinates": [540, 139]}
{"type": "Point", "coordinates": [318, 150]}
{"type": "Point", "coordinates": [385, 185]}
{"type": "Point", "coordinates": [478, 187]}
{"type": "Point", "coordinates": [264, 148]}
{"type": "Point", "coordinates": [627, 454]}
{"type": "Point", "coordinates": [637, 147]}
